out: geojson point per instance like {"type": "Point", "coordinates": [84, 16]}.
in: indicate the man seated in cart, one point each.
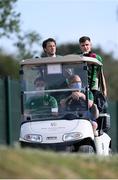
{"type": "Point", "coordinates": [41, 101]}
{"type": "Point", "coordinates": [77, 100]}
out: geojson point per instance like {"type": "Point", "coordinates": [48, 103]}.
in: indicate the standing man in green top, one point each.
{"type": "Point", "coordinates": [86, 49]}
{"type": "Point", "coordinates": [42, 101]}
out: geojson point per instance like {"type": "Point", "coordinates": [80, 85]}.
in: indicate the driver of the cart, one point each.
{"type": "Point", "coordinates": [41, 101]}
{"type": "Point", "coordinates": [77, 99]}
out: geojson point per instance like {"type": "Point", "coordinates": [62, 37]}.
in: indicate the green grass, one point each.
{"type": "Point", "coordinates": [33, 163]}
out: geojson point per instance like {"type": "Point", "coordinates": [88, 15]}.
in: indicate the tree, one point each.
{"type": "Point", "coordinates": [8, 66]}
{"type": "Point", "coordinates": [10, 24]}
{"type": "Point", "coordinates": [25, 44]}
{"type": "Point", "coordinates": [9, 19]}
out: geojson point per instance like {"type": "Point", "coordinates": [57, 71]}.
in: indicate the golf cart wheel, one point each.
{"type": "Point", "coordinates": [23, 144]}
{"type": "Point", "coordinates": [110, 151]}
{"type": "Point", "coordinates": [86, 149]}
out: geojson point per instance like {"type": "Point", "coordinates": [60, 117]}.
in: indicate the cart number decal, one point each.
{"type": "Point", "coordinates": [54, 69]}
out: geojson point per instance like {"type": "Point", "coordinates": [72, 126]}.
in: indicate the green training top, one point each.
{"type": "Point", "coordinates": [94, 71]}
{"type": "Point", "coordinates": [41, 103]}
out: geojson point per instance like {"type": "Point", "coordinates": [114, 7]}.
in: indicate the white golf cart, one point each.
{"type": "Point", "coordinates": [68, 130]}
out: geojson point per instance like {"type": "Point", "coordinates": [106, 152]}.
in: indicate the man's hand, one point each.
{"type": "Point", "coordinates": [76, 95]}
{"type": "Point", "coordinates": [63, 103]}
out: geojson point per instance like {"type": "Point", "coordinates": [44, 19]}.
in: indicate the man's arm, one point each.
{"type": "Point", "coordinates": [54, 105]}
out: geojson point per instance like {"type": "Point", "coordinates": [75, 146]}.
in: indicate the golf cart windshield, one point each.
{"type": "Point", "coordinates": [45, 103]}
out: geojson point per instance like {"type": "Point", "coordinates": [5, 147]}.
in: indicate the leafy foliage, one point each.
{"type": "Point", "coordinates": [70, 48]}
{"type": "Point", "coordinates": [10, 24]}
{"type": "Point", "coordinates": [9, 19]}
{"type": "Point", "coordinates": [9, 66]}
{"type": "Point", "coordinates": [25, 44]}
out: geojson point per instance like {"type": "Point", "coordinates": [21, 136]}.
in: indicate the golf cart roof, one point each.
{"type": "Point", "coordinates": [61, 59]}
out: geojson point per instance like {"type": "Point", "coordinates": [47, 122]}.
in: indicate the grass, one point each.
{"type": "Point", "coordinates": [37, 164]}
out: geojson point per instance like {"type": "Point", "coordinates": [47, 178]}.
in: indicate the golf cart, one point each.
{"type": "Point", "coordinates": [68, 130]}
